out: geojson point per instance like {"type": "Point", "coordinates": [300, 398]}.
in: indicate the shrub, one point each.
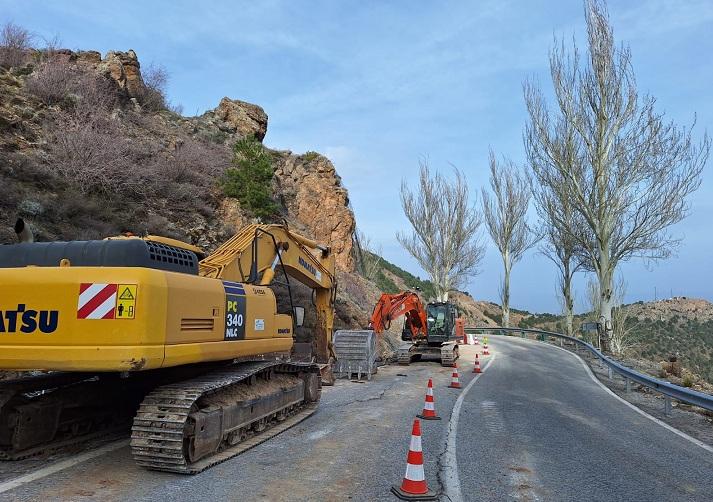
{"type": "Point", "coordinates": [310, 156]}
{"type": "Point", "coordinates": [52, 81]}
{"type": "Point", "coordinates": [386, 284]}
{"type": "Point", "coordinates": [687, 381]}
{"type": "Point", "coordinates": [15, 42]}
{"type": "Point", "coordinates": [250, 178]}
{"type": "Point", "coordinates": [155, 79]}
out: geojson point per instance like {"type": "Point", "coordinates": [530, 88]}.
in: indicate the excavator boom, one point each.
{"type": "Point", "coordinates": [252, 256]}
{"type": "Point", "coordinates": [393, 306]}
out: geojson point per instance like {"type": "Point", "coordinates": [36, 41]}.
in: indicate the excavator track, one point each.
{"type": "Point", "coordinates": [403, 354]}
{"type": "Point", "coordinates": [449, 354]}
{"type": "Point", "coordinates": [188, 426]}
{"type": "Point", "coordinates": [44, 414]}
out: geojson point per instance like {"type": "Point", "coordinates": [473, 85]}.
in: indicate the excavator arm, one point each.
{"type": "Point", "coordinates": [390, 307]}
{"type": "Point", "coordinates": [252, 256]}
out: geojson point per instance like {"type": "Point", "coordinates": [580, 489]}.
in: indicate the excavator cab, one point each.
{"type": "Point", "coordinates": [441, 319]}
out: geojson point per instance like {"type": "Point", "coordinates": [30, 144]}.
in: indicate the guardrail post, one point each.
{"type": "Point", "coordinates": [627, 381]}
{"type": "Point", "coordinates": [611, 375]}
{"type": "Point", "coordinates": [667, 405]}
{"type": "Point", "coordinates": [561, 342]}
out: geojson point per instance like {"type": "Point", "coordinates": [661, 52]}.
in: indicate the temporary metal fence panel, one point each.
{"type": "Point", "coordinates": [356, 353]}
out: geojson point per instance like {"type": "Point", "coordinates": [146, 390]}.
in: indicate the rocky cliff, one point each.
{"type": "Point", "coordinates": [83, 154]}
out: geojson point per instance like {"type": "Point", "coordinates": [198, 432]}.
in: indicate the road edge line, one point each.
{"type": "Point", "coordinates": [451, 480]}
{"type": "Point", "coordinates": [60, 466]}
{"type": "Point", "coordinates": [638, 410]}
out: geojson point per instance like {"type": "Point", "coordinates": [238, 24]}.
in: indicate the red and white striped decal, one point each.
{"type": "Point", "coordinates": [96, 301]}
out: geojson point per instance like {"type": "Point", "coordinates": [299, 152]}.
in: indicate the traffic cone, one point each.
{"type": "Point", "coordinates": [476, 369]}
{"type": "Point", "coordinates": [414, 486]}
{"type": "Point", "coordinates": [429, 409]}
{"type": "Point", "coordinates": [455, 383]}
{"type": "Point", "coordinates": [486, 352]}
{"type": "Point", "coordinates": [477, 342]}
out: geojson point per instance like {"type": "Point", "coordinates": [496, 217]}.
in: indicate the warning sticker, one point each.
{"type": "Point", "coordinates": [126, 301]}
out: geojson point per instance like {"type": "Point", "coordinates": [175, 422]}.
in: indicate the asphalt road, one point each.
{"type": "Point", "coordinates": [533, 427]}
{"type": "Point", "coordinates": [537, 427]}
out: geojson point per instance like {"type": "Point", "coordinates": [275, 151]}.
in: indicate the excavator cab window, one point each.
{"type": "Point", "coordinates": [436, 319]}
{"type": "Point", "coordinates": [299, 315]}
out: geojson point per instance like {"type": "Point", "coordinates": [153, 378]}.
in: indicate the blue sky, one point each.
{"type": "Point", "coordinates": [376, 85]}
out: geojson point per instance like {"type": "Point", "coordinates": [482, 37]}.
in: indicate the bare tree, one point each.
{"type": "Point", "coordinates": [558, 216]}
{"type": "Point", "coordinates": [505, 218]}
{"type": "Point", "coordinates": [445, 240]}
{"type": "Point", "coordinates": [155, 79]}
{"type": "Point", "coordinates": [633, 171]}
{"type": "Point", "coordinates": [15, 42]}
{"type": "Point", "coordinates": [622, 338]}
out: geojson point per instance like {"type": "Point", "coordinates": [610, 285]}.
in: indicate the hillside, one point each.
{"type": "Point", "coordinates": [391, 278]}
{"type": "Point", "coordinates": [680, 327]}
{"type": "Point", "coordinates": [89, 148]}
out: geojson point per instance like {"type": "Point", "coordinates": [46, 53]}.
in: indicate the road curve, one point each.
{"type": "Point", "coordinates": [534, 426]}
{"type": "Point", "coordinates": [537, 427]}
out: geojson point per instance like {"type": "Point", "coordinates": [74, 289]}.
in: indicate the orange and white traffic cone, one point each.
{"type": "Point", "coordinates": [477, 342]}
{"type": "Point", "coordinates": [414, 486]}
{"type": "Point", "coordinates": [476, 368]}
{"type": "Point", "coordinates": [455, 382]}
{"type": "Point", "coordinates": [486, 352]}
{"type": "Point", "coordinates": [429, 408]}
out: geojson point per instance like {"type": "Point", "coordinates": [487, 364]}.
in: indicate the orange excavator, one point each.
{"type": "Point", "coordinates": [390, 307]}
{"type": "Point", "coordinates": [431, 331]}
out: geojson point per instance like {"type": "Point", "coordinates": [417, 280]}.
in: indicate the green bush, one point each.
{"type": "Point", "coordinates": [412, 282]}
{"type": "Point", "coordinates": [687, 381]}
{"type": "Point", "coordinates": [385, 284]}
{"type": "Point", "coordinates": [310, 156]}
{"type": "Point", "coordinates": [250, 178]}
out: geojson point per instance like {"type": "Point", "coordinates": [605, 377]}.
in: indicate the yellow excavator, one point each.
{"type": "Point", "coordinates": [189, 349]}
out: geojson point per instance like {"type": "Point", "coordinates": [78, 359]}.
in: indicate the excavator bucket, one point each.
{"type": "Point", "coordinates": [356, 353]}
{"type": "Point", "coordinates": [326, 374]}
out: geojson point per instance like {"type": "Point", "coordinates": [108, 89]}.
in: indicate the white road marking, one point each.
{"type": "Point", "coordinates": [638, 410]}
{"type": "Point", "coordinates": [60, 466]}
{"type": "Point", "coordinates": [451, 481]}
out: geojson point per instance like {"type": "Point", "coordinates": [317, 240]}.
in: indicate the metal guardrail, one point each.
{"type": "Point", "coordinates": [668, 389]}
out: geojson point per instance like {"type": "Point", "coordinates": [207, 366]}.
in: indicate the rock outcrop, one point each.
{"type": "Point", "coordinates": [308, 187]}
{"type": "Point", "coordinates": [125, 70]}
{"type": "Point", "coordinates": [236, 118]}
{"type": "Point", "coordinates": [311, 190]}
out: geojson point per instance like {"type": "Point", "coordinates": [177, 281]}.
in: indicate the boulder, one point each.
{"type": "Point", "coordinates": [235, 118]}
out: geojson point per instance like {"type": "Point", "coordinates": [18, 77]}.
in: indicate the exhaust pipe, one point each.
{"type": "Point", "coordinates": [23, 231]}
